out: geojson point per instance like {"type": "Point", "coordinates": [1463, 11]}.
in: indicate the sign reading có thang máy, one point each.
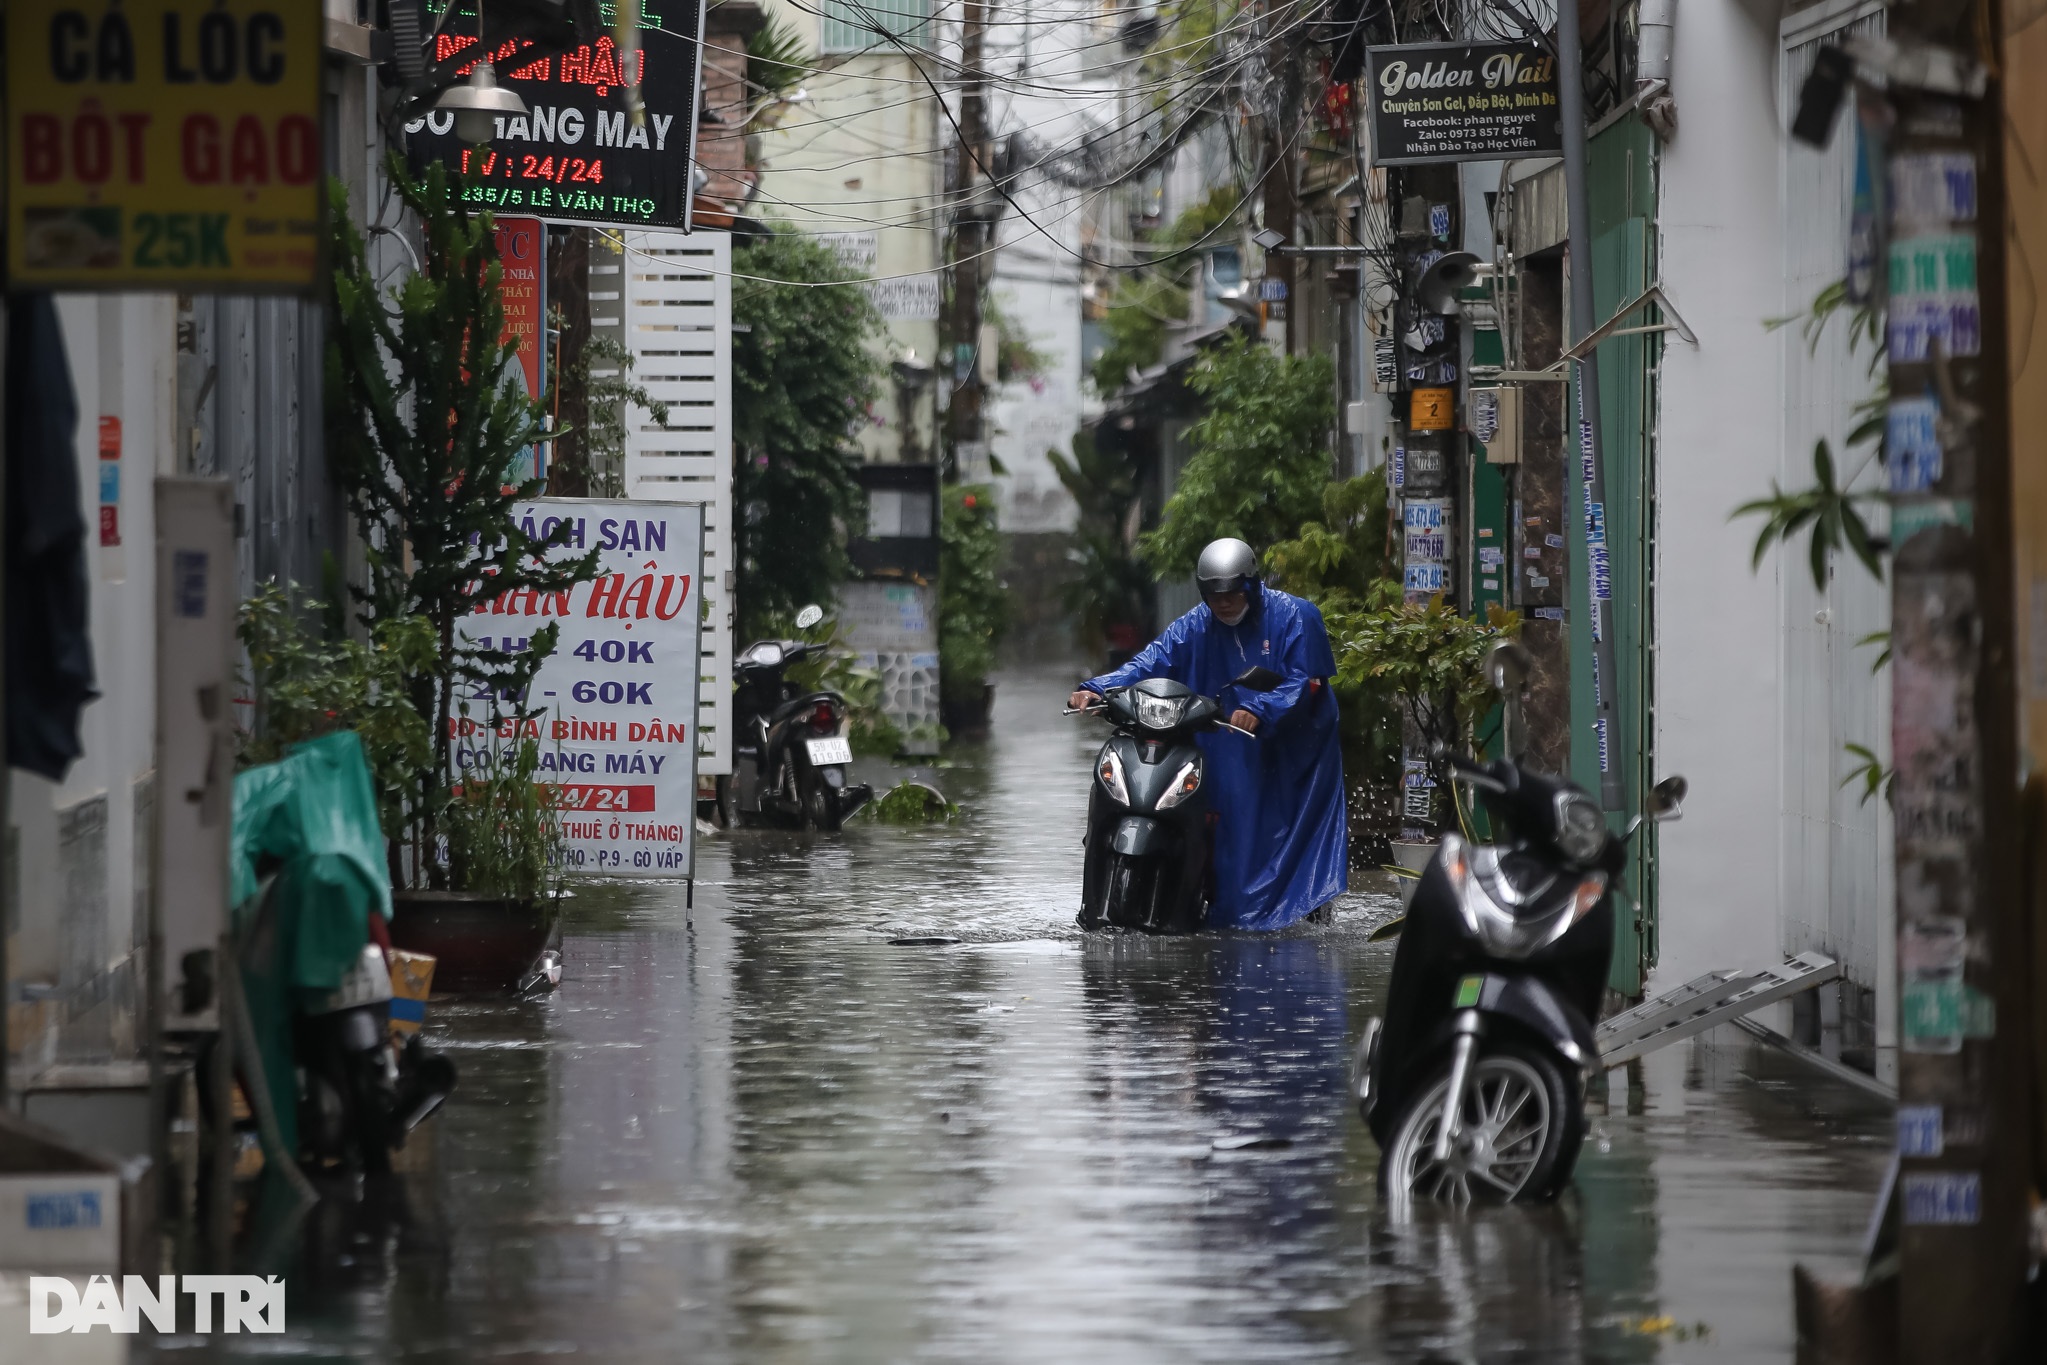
{"type": "Point", "coordinates": [1462, 102]}
{"type": "Point", "coordinates": [613, 709]}
{"type": "Point", "coordinates": [163, 144]}
{"type": "Point", "coordinates": [575, 155]}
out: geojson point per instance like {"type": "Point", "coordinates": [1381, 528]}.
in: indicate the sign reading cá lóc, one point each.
{"type": "Point", "coordinates": [164, 144]}
{"type": "Point", "coordinates": [1462, 102]}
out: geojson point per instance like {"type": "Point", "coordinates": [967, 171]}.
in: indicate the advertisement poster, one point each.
{"type": "Point", "coordinates": [574, 156]}
{"type": "Point", "coordinates": [164, 144]}
{"type": "Point", "coordinates": [522, 282]}
{"type": "Point", "coordinates": [892, 627]}
{"type": "Point", "coordinates": [1462, 102]}
{"type": "Point", "coordinates": [617, 700]}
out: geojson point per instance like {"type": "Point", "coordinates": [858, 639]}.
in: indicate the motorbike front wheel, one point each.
{"type": "Point", "coordinates": [1132, 888]}
{"type": "Point", "coordinates": [1519, 1127]}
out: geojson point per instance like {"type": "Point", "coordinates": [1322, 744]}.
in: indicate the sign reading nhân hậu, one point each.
{"type": "Point", "coordinates": [575, 155]}
{"type": "Point", "coordinates": [614, 708]}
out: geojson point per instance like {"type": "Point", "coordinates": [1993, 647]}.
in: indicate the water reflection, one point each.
{"type": "Point", "coordinates": [762, 1133]}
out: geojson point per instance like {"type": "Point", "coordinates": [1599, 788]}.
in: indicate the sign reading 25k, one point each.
{"type": "Point", "coordinates": [163, 144]}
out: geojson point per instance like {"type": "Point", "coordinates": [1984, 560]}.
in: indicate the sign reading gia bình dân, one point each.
{"type": "Point", "coordinates": [163, 144]}
{"type": "Point", "coordinates": [614, 708]}
{"type": "Point", "coordinates": [575, 155]}
{"type": "Point", "coordinates": [1462, 102]}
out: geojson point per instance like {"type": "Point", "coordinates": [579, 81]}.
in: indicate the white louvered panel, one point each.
{"type": "Point", "coordinates": [1837, 893]}
{"type": "Point", "coordinates": [678, 325]}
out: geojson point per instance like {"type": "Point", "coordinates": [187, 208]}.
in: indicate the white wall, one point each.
{"type": "Point", "coordinates": [1061, 58]}
{"type": "Point", "coordinates": [1718, 686]}
{"type": "Point", "coordinates": [78, 917]}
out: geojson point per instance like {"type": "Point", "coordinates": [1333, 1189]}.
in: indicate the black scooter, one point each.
{"type": "Point", "coordinates": [1148, 823]}
{"type": "Point", "coordinates": [359, 1094]}
{"type": "Point", "coordinates": [1474, 1082]}
{"type": "Point", "coordinates": [790, 753]}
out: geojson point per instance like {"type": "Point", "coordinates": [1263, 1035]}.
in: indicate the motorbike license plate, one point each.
{"type": "Point", "coordinates": [833, 750]}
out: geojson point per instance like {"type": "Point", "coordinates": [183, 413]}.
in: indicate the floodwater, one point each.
{"type": "Point", "coordinates": [760, 1131]}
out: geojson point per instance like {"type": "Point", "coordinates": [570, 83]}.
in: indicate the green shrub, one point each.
{"type": "Point", "coordinates": [1261, 454]}
{"type": "Point", "coordinates": [911, 803]}
{"type": "Point", "coordinates": [973, 609]}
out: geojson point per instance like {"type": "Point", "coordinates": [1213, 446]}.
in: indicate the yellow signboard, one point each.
{"type": "Point", "coordinates": [164, 144]}
{"type": "Point", "coordinates": [1432, 410]}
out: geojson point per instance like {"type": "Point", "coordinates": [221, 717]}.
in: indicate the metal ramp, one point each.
{"type": "Point", "coordinates": [1703, 1002]}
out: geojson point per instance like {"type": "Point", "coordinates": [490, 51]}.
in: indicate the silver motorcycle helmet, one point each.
{"type": "Point", "coordinates": [1226, 565]}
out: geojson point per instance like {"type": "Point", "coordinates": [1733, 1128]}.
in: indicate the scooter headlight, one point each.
{"type": "Point", "coordinates": [1110, 771]}
{"type": "Point", "coordinates": [1159, 713]}
{"type": "Point", "coordinates": [1581, 827]}
{"type": "Point", "coordinates": [1510, 921]}
{"type": "Point", "coordinates": [1185, 783]}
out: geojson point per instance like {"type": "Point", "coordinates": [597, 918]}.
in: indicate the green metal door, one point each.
{"type": "Point", "coordinates": [1622, 250]}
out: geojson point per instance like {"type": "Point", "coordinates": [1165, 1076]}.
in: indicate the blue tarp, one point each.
{"type": "Point", "coordinates": [1281, 843]}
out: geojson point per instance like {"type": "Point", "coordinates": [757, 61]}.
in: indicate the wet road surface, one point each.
{"type": "Point", "coordinates": [761, 1132]}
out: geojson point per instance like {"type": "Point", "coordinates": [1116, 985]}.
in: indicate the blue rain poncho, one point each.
{"type": "Point", "coordinates": [1280, 843]}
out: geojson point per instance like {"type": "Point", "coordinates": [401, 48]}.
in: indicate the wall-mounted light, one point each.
{"type": "Point", "coordinates": [478, 105]}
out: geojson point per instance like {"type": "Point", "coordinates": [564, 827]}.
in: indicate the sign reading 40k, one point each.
{"type": "Point", "coordinates": [613, 710]}
{"type": "Point", "coordinates": [163, 144]}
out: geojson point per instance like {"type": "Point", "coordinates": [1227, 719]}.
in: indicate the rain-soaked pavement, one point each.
{"type": "Point", "coordinates": [763, 1132]}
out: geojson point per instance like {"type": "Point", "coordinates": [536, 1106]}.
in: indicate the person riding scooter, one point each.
{"type": "Point", "coordinates": [1279, 851]}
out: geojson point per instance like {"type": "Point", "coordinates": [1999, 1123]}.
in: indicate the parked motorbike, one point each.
{"type": "Point", "coordinates": [791, 753]}
{"type": "Point", "coordinates": [1149, 840]}
{"type": "Point", "coordinates": [359, 1093]}
{"type": "Point", "coordinates": [1473, 1083]}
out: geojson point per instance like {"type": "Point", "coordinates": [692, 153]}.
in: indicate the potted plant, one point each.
{"type": "Point", "coordinates": [1431, 660]}
{"type": "Point", "coordinates": [424, 429]}
{"type": "Point", "coordinates": [973, 609]}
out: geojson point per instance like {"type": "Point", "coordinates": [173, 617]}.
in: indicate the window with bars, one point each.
{"type": "Point", "coordinates": [864, 25]}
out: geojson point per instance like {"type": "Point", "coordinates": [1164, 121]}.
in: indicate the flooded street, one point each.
{"type": "Point", "coordinates": [788, 1126]}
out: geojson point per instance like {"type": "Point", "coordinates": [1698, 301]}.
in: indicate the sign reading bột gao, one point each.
{"type": "Point", "coordinates": [163, 144]}
{"type": "Point", "coordinates": [1462, 102]}
{"type": "Point", "coordinates": [574, 156]}
{"type": "Point", "coordinates": [615, 706]}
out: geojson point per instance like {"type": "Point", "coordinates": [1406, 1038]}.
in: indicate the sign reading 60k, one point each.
{"type": "Point", "coordinates": [163, 144]}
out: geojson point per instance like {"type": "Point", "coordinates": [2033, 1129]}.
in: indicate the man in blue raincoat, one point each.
{"type": "Point", "coordinates": [1281, 837]}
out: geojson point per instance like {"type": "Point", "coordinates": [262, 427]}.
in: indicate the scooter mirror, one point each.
{"type": "Point", "coordinates": [1507, 668]}
{"type": "Point", "coordinates": [1666, 799]}
{"type": "Point", "coordinates": [809, 616]}
{"type": "Point", "coordinates": [1257, 678]}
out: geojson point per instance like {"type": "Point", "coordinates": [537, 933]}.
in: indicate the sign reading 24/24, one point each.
{"type": "Point", "coordinates": [167, 144]}
{"type": "Point", "coordinates": [614, 708]}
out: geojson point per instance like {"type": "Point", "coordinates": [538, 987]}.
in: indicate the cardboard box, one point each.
{"type": "Point", "coordinates": [66, 1208]}
{"type": "Point", "coordinates": [412, 979]}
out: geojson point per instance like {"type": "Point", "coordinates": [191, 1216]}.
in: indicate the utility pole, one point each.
{"type": "Point", "coordinates": [1591, 466]}
{"type": "Point", "coordinates": [568, 291]}
{"type": "Point", "coordinates": [1964, 1093]}
{"type": "Point", "coordinates": [974, 207]}
{"type": "Point", "coordinates": [1282, 211]}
